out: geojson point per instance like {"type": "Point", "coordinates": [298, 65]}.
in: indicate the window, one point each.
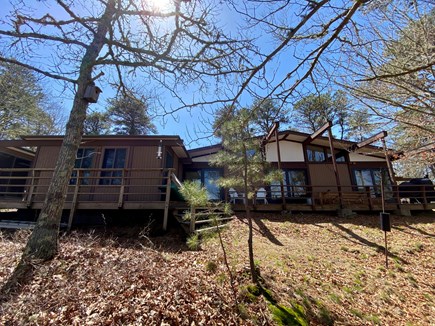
{"type": "Point", "coordinates": [321, 154]}
{"type": "Point", "coordinates": [294, 184]}
{"type": "Point", "coordinates": [373, 178]}
{"type": "Point", "coordinates": [315, 154]}
{"type": "Point", "coordinates": [83, 161]}
{"type": "Point", "coordinates": [206, 178]}
{"type": "Point", "coordinates": [114, 158]}
{"type": "Point", "coordinates": [340, 156]}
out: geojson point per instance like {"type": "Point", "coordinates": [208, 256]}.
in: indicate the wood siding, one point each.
{"type": "Point", "coordinates": [144, 157]}
{"type": "Point", "coordinates": [46, 158]}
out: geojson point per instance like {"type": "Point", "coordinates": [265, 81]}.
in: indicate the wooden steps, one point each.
{"type": "Point", "coordinates": [200, 220]}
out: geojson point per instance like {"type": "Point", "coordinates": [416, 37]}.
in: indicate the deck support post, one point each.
{"type": "Point", "coordinates": [334, 163]}
{"type": "Point", "coordinates": [31, 190]}
{"type": "Point", "coordinates": [74, 201]}
{"type": "Point", "coordinates": [167, 199]}
{"type": "Point", "coordinates": [278, 152]}
{"type": "Point", "coordinates": [122, 190]}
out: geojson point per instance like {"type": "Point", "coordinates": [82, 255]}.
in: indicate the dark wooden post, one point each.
{"type": "Point", "coordinates": [423, 192]}
{"type": "Point", "coordinates": [167, 200]}
{"type": "Point", "coordinates": [31, 190]}
{"type": "Point", "coordinates": [389, 165]}
{"type": "Point", "coordinates": [278, 151]}
{"type": "Point", "coordinates": [334, 163]}
{"type": "Point", "coordinates": [369, 197]}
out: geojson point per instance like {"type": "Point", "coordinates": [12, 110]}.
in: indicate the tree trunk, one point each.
{"type": "Point", "coordinates": [254, 275]}
{"type": "Point", "coordinates": [42, 244]}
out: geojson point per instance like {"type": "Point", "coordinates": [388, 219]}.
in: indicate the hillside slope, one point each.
{"type": "Point", "coordinates": [334, 269]}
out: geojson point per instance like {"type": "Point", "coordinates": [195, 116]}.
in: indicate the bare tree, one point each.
{"type": "Point", "coordinates": [85, 41]}
{"type": "Point", "coordinates": [390, 72]}
{"type": "Point", "coordinates": [380, 52]}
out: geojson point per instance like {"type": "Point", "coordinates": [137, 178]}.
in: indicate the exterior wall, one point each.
{"type": "Point", "coordinates": [355, 157]}
{"type": "Point", "coordinates": [203, 159]}
{"type": "Point", "coordinates": [290, 152]}
{"type": "Point", "coordinates": [46, 157]}
{"type": "Point", "coordinates": [144, 157]}
{"type": "Point", "coordinates": [144, 185]}
{"type": "Point", "coordinates": [322, 177]}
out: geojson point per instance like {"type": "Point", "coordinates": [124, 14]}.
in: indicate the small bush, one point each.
{"type": "Point", "coordinates": [195, 195]}
{"type": "Point", "coordinates": [194, 242]}
{"type": "Point", "coordinates": [211, 267]}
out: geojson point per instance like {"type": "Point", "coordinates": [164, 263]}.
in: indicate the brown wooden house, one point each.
{"type": "Point", "coordinates": [360, 179]}
{"type": "Point", "coordinates": [143, 172]}
{"type": "Point", "coordinates": [111, 172]}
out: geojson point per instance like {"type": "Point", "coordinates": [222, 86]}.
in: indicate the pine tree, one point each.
{"type": "Point", "coordinates": [128, 115]}
{"type": "Point", "coordinates": [246, 168]}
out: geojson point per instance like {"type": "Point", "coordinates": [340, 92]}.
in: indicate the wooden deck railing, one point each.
{"type": "Point", "coordinates": [91, 188]}
{"type": "Point", "coordinates": [357, 197]}
{"type": "Point", "coordinates": [115, 188]}
{"type": "Point", "coordinates": [93, 185]}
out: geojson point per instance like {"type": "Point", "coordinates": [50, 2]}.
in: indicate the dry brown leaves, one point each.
{"type": "Point", "coordinates": [96, 281]}
{"type": "Point", "coordinates": [334, 268]}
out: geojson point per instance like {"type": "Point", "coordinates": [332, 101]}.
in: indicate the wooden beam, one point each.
{"type": "Point", "coordinates": [369, 141]}
{"type": "Point", "coordinates": [318, 132]}
{"type": "Point", "coordinates": [334, 164]}
{"type": "Point", "coordinates": [272, 131]}
{"type": "Point", "coordinates": [167, 200]}
{"type": "Point", "coordinates": [389, 165]}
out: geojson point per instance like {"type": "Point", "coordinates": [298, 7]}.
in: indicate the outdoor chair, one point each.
{"type": "Point", "coordinates": [261, 196]}
{"type": "Point", "coordinates": [234, 196]}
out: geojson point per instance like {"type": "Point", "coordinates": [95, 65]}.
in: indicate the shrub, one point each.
{"type": "Point", "coordinates": [193, 242]}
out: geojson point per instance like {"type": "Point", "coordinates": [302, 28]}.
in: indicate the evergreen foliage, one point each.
{"type": "Point", "coordinates": [129, 116]}
{"type": "Point", "coordinates": [313, 111]}
{"type": "Point", "coordinates": [96, 123]}
{"type": "Point", "coordinates": [245, 164]}
{"type": "Point", "coordinates": [22, 103]}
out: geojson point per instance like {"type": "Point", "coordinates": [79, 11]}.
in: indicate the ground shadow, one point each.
{"type": "Point", "coordinates": [265, 232]}
{"type": "Point", "coordinates": [261, 229]}
{"type": "Point", "coordinates": [420, 231]}
{"type": "Point", "coordinates": [360, 240]}
{"type": "Point", "coordinates": [370, 220]}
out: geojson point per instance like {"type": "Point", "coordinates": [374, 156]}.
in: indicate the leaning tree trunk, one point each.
{"type": "Point", "coordinates": [42, 244]}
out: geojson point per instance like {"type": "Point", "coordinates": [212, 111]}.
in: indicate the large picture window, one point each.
{"type": "Point", "coordinates": [372, 178]}
{"type": "Point", "coordinates": [114, 158]}
{"type": "Point", "coordinates": [208, 179]}
{"type": "Point", "coordinates": [83, 161]}
{"type": "Point", "coordinates": [294, 184]}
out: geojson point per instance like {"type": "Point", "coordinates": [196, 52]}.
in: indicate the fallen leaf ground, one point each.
{"type": "Point", "coordinates": [334, 269]}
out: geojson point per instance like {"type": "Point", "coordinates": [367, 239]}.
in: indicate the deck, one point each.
{"type": "Point", "coordinates": [145, 189]}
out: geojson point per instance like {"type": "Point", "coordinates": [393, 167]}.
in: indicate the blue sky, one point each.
{"type": "Point", "coordinates": [190, 125]}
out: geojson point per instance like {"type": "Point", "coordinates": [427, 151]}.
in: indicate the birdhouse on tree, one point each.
{"type": "Point", "coordinates": [92, 93]}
